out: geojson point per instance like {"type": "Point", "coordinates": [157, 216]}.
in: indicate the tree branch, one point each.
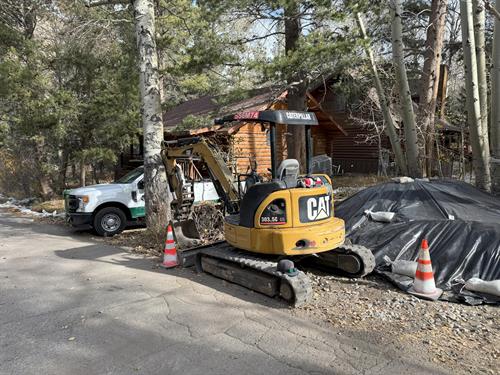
{"type": "Point", "coordinates": [490, 8]}
{"type": "Point", "coordinates": [91, 4]}
{"type": "Point", "coordinates": [254, 38]}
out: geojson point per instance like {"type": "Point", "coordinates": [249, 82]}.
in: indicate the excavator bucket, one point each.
{"type": "Point", "coordinates": [186, 231]}
{"type": "Point", "coordinates": [188, 240]}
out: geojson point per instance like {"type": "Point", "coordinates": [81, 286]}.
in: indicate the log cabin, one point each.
{"type": "Point", "coordinates": [337, 135]}
{"type": "Point", "coordinates": [247, 143]}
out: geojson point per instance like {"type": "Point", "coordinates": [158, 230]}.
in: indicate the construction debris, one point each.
{"type": "Point", "coordinates": [209, 221]}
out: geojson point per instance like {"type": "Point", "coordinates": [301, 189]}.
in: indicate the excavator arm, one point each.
{"type": "Point", "coordinates": [197, 148]}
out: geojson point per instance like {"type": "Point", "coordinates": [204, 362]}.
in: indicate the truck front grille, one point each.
{"type": "Point", "coordinates": [72, 203]}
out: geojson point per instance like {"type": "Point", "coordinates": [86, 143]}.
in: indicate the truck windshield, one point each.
{"type": "Point", "coordinates": [130, 176]}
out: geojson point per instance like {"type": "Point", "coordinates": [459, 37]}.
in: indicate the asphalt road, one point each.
{"type": "Point", "coordinates": [71, 305]}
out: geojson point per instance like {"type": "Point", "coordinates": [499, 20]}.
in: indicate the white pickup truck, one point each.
{"type": "Point", "coordinates": [110, 208]}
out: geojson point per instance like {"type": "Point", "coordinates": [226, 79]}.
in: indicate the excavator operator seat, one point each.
{"type": "Point", "coordinates": [288, 172]}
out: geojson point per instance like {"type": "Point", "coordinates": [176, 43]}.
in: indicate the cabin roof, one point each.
{"type": "Point", "coordinates": [257, 99]}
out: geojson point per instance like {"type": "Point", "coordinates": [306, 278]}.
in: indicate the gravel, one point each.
{"type": "Point", "coordinates": [460, 337]}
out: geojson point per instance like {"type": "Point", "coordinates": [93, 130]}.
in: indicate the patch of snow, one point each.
{"type": "Point", "coordinates": [24, 206]}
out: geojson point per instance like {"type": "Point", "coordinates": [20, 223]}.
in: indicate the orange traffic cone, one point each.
{"type": "Point", "coordinates": [424, 285]}
{"type": "Point", "coordinates": [170, 252]}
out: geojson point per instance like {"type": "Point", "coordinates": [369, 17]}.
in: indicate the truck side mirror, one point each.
{"type": "Point", "coordinates": [140, 185]}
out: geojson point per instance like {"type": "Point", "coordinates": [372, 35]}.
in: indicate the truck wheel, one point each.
{"type": "Point", "coordinates": [109, 221]}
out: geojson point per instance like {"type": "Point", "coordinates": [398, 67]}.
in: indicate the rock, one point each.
{"type": "Point", "coordinates": [452, 317]}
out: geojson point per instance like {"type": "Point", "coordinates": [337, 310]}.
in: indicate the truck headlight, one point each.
{"type": "Point", "coordinates": [83, 200]}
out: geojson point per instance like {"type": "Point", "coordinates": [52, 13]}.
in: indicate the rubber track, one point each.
{"type": "Point", "coordinates": [300, 284]}
{"type": "Point", "coordinates": [366, 256]}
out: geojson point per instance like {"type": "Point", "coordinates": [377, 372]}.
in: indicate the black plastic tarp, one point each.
{"type": "Point", "coordinates": [461, 223]}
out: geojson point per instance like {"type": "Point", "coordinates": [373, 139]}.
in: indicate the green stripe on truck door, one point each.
{"type": "Point", "coordinates": [136, 212]}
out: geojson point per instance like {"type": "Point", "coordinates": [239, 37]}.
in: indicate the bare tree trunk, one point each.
{"type": "Point", "coordinates": [63, 169]}
{"type": "Point", "coordinates": [45, 187]}
{"type": "Point", "coordinates": [479, 140]}
{"type": "Point", "coordinates": [479, 25]}
{"type": "Point", "coordinates": [430, 77]}
{"type": "Point", "coordinates": [95, 174]}
{"type": "Point", "coordinates": [82, 171]}
{"type": "Point", "coordinates": [390, 128]}
{"type": "Point", "coordinates": [159, 12]}
{"type": "Point", "coordinates": [462, 155]}
{"type": "Point", "coordinates": [41, 159]}
{"type": "Point", "coordinates": [495, 105]}
{"type": "Point", "coordinates": [155, 180]}
{"type": "Point", "coordinates": [296, 97]}
{"type": "Point", "coordinates": [404, 91]}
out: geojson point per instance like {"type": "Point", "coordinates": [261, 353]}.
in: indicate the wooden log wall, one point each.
{"type": "Point", "coordinates": [251, 143]}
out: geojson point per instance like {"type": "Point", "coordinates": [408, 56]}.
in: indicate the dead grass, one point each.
{"type": "Point", "coordinates": [358, 181]}
{"type": "Point", "coordinates": [209, 223]}
{"type": "Point", "coordinates": [49, 206]}
{"type": "Point", "coordinates": [139, 241]}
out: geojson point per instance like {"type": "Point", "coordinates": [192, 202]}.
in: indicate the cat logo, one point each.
{"type": "Point", "coordinates": [318, 207]}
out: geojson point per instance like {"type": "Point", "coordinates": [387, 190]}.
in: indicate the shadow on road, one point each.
{"type": "Point", "coordinates": [153, 334]}
{"type": "Point", "coordinates": [99, 251]}
{"type": "Point", "coordinates": [104, 254]}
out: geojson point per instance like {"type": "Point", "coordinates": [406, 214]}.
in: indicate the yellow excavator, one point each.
{"type": "Point", "coordinates": [268, 224]}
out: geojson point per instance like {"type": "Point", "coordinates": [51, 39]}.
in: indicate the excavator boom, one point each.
{"type": "Point", "coordinates": [191, 149]}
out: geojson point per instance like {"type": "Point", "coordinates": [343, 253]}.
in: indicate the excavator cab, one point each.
{"type": "Point", "coordinates": [292, 214]}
